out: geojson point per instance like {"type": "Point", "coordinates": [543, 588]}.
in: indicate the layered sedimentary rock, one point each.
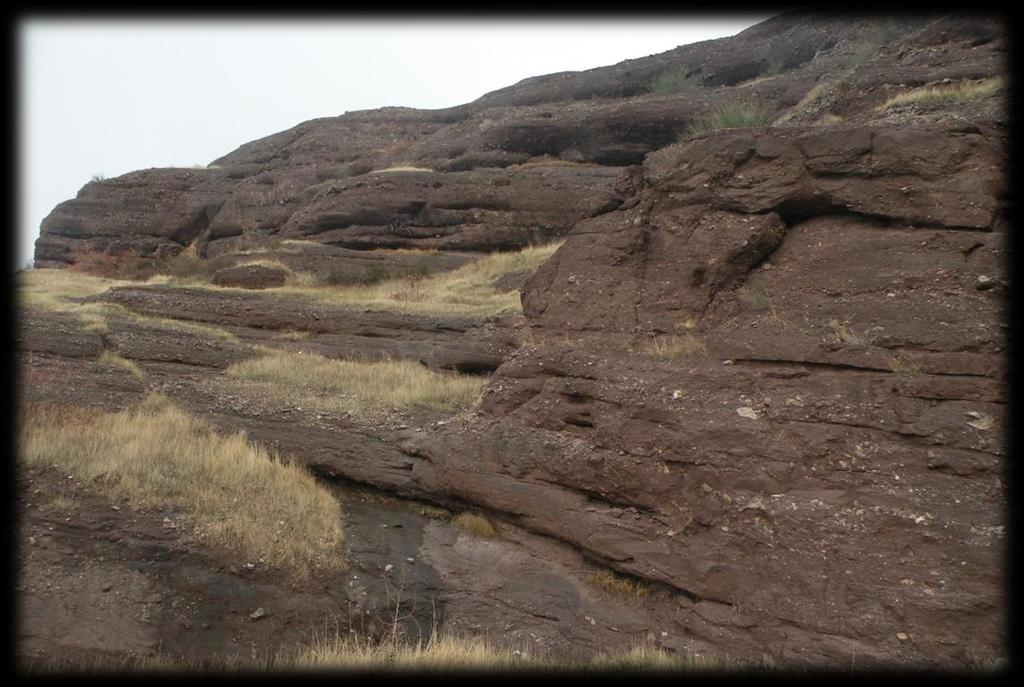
{"type": "Point", "coordinates": [776, 385]}
{"type": "Point", "coordinates": [765, 376]}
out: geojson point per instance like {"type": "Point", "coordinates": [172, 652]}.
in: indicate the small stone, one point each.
{"type": "Point", "coordinates": [902, 636]}
{"type": "Point", "coordinates": [106, 587]}
{"type": "Point", "coordinates": [728, 362]}
{"type": "Point", "coordinates": [410, 560]}
{"type": "Point", "coordinates": [984, 283]}
{"type": "Point", "coordinates": [747, 412]}
{"type": "Point", "coordinates": [259, 613]}
{"type": "Point", "coordinates": [388, 567]}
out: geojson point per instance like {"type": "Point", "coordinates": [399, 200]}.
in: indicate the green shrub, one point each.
{"type": "Point", "coordinates": [738, 114]}
{"type": "Point", "coordinates": [670, 81]}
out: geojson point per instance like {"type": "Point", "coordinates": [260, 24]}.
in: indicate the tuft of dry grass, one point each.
{"type": "Point", "coordinates": [108, 357]}
{"type": "Point", "coordinates": [359, 387]}
{"type": "Point", "coordinates": [238, 496]}
{"type": "Point", "coordinates": [944, 94]}
{"type": "Point", "coordinates": [904, 364]}
{"type": "Point", "coordinates": [477, 524]}
{"type": "Point", "coordinates": [843, 333]}
{"type": "Point", "coordinates": [670, 347]}
{"type": "Point", "coordinates": [617, 585]}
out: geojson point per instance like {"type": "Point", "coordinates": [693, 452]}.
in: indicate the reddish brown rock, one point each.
{"type": "Point", "coordinates": [250, 277]}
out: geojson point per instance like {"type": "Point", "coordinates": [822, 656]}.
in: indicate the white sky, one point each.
{"type": "Point", "coordinates": [108, 97]}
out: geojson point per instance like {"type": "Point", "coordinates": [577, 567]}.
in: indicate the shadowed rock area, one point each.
{"type": "Point", "coordinates": [763, 381]}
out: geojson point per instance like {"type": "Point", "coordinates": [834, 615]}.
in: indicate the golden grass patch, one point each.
{"type": "Point", "coordinates": [466, 291]}
{"type": "Point", "coordinates": [477, 524]}
{"type": "Point", "coordinates": [945, 93]}
{"type": "Point", "coordinates": [617, 585]}
{"type": "Point", "coordinates": [687, 346]}
{"type": "Point", "coordinates": [108, 357]}
{"type": "Point", "coordinates": [238, 496]}
{"type": "Point", "coordinates": [59, 289]}
{"type": "Point", "coordinates": [359, 387]}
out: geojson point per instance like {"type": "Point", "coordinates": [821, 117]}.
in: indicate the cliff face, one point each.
{"type": "Point", "coordinates": [764, 375]}
{"type": "Point", "coordinates": [304, 182]}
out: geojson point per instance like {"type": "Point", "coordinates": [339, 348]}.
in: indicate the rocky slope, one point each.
{"type": "Point", "coordinates": [764, 377]}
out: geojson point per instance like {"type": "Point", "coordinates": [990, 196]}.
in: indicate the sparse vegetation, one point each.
{"type": "Point", "coordinates": [671, 81]}
{"type": "Point", "coordinates": [359, 386]}
{"type": "Point", "coordinates": [98, 177]}
{"type": "Point", "coordinates": [805, 102]}
{"type": "Point", "coordinates": [477, 524]}
{"type": "Point", "coordinates": [443, 651]}
{"type": "Point", "coordinates": [942, 94]}
{"type": "Point", "coordinates": [617, 585]}
{"type": "Point", "coordinates": [756, 297]}
{"type": "Point", "coordinates": [843, 333]}
{"type": "Point", "coordinates": [59, 290]}
{"type": "Point", "coordinates": [738, 114]}
{"type": "Point", "coordinates": [108, 357]}
{"type": "Point", "coordinates": [904, 364]}
{"type": "Point", "coordinates": [466, 291]}
{"type": "Point", "coordinates": [670, 347]}
{"type": "Point", "coordinates": [547, 161]}
{"type": "Point", "coordinates": [408, 167]}
{"type": "Point", "coordinates": [234, 494]}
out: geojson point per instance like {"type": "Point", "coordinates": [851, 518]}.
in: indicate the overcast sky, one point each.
{"type": "Point", "coordinates": [108, 97]}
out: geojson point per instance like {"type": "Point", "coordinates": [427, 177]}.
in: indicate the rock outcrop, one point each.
{"type": "Point", "coordinates": [775, 386]}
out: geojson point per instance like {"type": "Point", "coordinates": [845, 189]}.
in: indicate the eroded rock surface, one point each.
{"type": "Point", "coordinates": [764, 377]}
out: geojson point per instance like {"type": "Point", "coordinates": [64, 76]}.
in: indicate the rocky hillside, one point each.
{"type": "Point", "coordinates": [761, 385]}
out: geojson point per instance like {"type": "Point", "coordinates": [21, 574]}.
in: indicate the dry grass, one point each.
{"type": "Point", "coordinates": [238, 496]}
{"type": "Point", "coordinates": [443, 652]}
{"type": "Point", "coordinates": [477, 524]}
{"type": "Point", "coordinates": [904, 364]}
{"type": "Point", "coordinates": [670, 347]}
{"type": "Point", "coordinates": [359, 387]}
{"type": "Point", "coordinates": [402, 168]}
{"type": "Point", "coordinates": [843, 333]}
{"type": "Point", "coordinates": [809, 97]}
{"type": "Point", "coordinates": [59, 289]}
{"type": "Point", "coordinates": [466, 291]}
{"type": "Point", "coordinates": [110, 358]}
{"type": "Point", "coordinates": [548, 162]}
{"type": "Point", "coordinates": [617, 585]}
{"type": "Point", "coordinates": [944, 94]}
